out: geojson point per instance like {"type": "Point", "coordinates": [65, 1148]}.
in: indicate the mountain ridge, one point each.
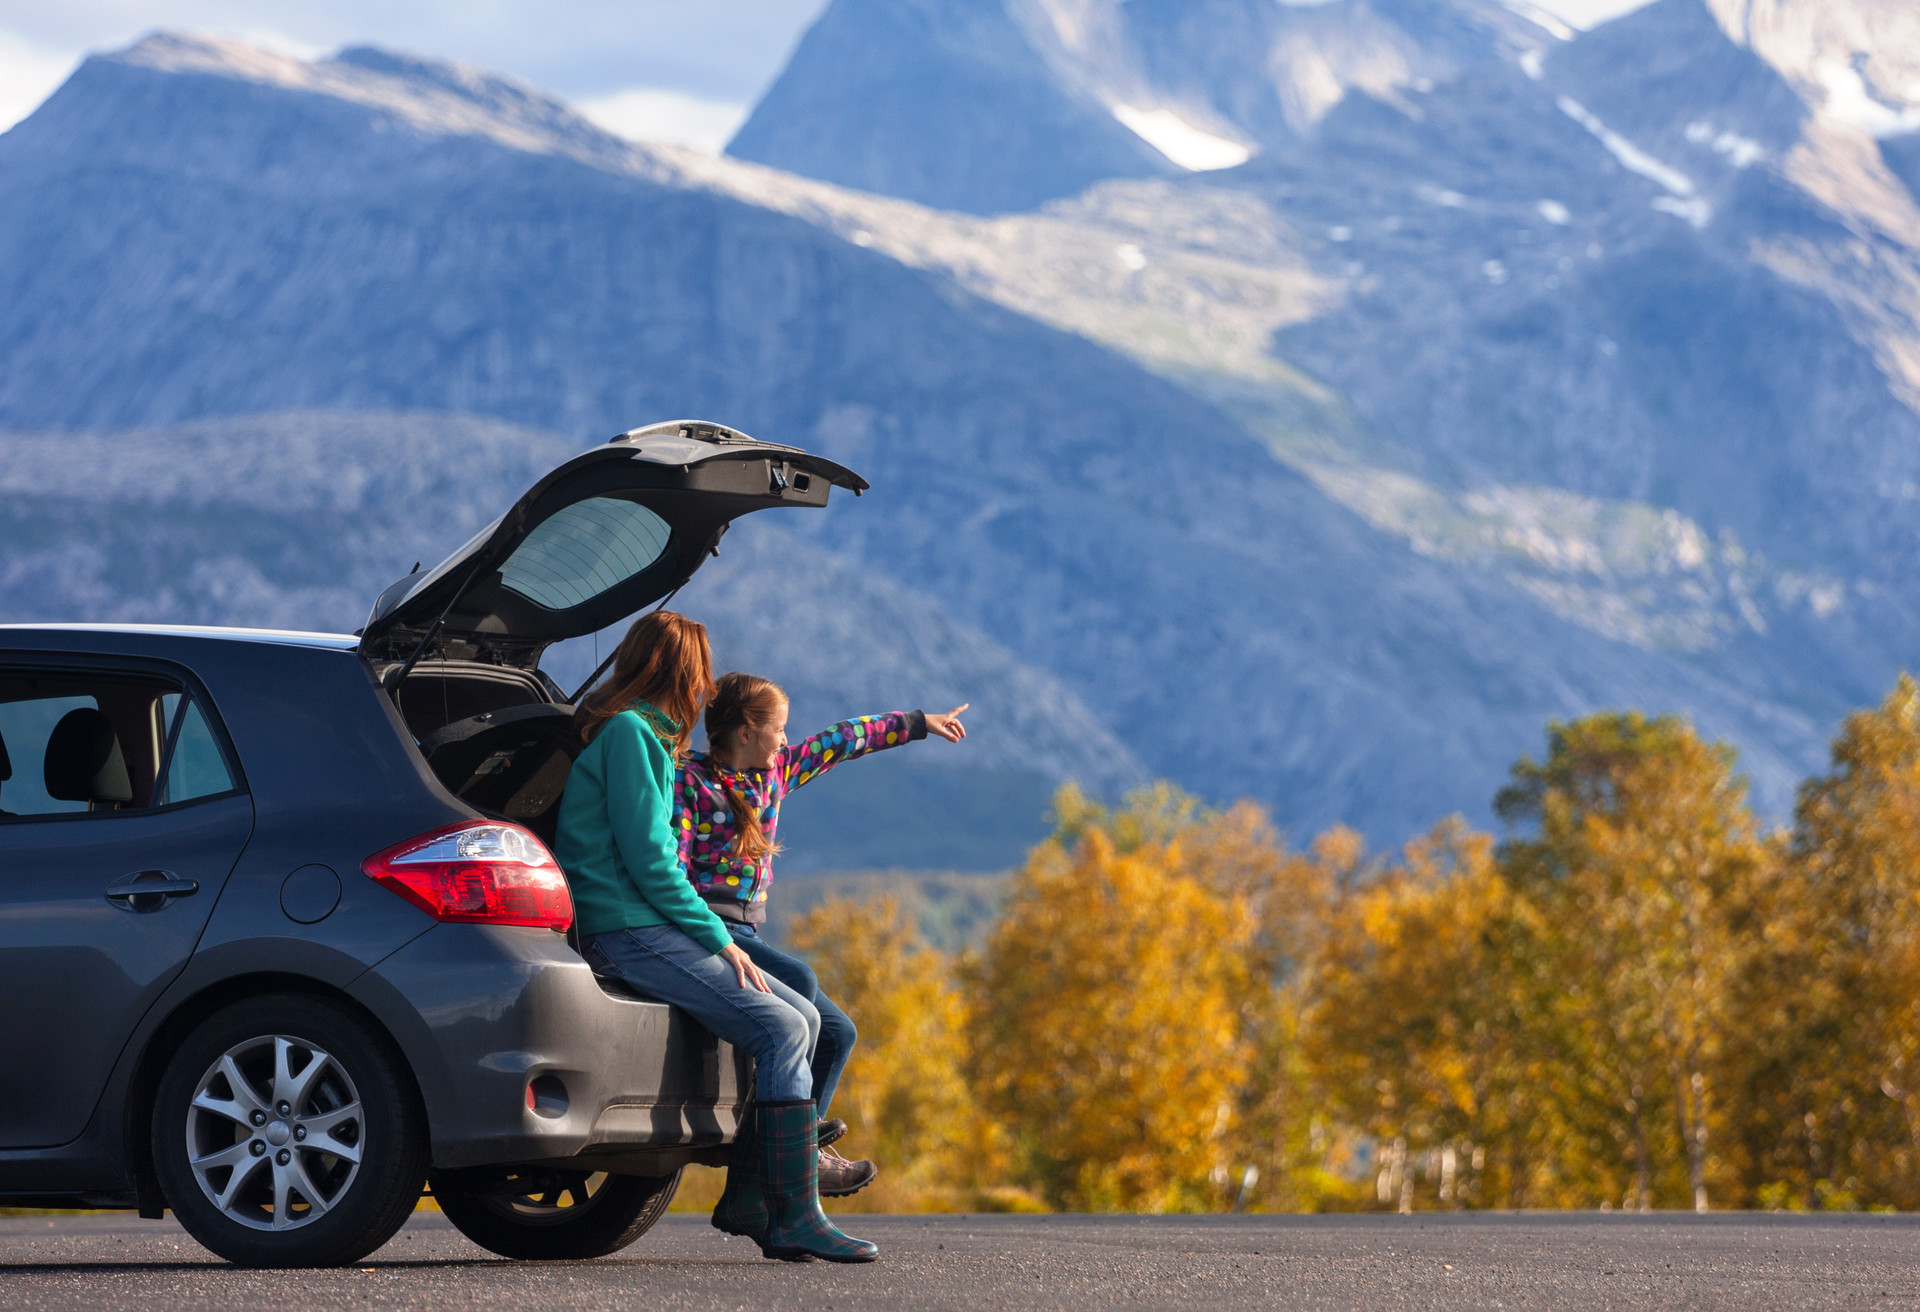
{"type": "Point", "coordinates": [1113, 527]}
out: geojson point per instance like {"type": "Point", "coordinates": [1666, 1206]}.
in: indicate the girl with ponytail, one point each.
{"type": "Point", "coordinates": [727, 809]}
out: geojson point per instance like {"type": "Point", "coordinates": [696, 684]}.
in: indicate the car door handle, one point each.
{"type": "Point", "coordinates": [150, 890]}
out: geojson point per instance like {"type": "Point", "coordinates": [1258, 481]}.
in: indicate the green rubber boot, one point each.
{"type": "Point", "coordinates": [742, 1209]}
{"type": "Point", "coordinates": [790, 1180]}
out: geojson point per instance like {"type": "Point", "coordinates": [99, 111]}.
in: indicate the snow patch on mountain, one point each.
{"type": "Point", "coordinates": [1631, 157]}
{"type": "Point", "coordinates": [1548, 22]}
{"type": "Point", "coordinates": [1741, 152]}
{"type": "Point", "coordinates": [1192, 148]}
{"type": "Point", "coordinates": [1682, 203]}
{"type": "Point", "coordinates": [1857, 60]}
{"type": "Point", "coordinates": [1849, 100]}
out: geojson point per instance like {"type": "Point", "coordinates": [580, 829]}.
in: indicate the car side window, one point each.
{"type": "Point", "coordinates": [25, 726]}
{"type": "Point", "coordinates": [80, 742]}
{"type": "Point", "coordinates": [195, 767]}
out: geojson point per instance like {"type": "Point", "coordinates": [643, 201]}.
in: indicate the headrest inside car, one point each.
{"type": "Point", "coordinates": [84, 761]}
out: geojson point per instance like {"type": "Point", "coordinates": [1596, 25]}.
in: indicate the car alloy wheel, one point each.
{"type": "Point", "coordinates": [287, 1131]}
{"type": "Point", "coordinates": [275, 1132]}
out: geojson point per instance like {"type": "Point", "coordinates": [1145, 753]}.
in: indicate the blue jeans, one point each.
{"type": "Point", "coordinates": [837, 1034]}
{"type": "Point", "coordinates": [779, 1029]}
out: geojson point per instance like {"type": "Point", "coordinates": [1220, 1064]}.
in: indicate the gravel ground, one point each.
{"type": "Point", "coordinates": [1744, 1262]}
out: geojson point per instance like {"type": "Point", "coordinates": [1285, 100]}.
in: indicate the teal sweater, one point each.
{"type": "Point", "coordinates": [616, 840]}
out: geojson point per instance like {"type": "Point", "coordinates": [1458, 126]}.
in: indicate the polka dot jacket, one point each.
{"type": "Point", "coordinates": [703, 811]}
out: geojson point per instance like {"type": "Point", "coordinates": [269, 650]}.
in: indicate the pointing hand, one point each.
{"type": "Point", "coordinates": [948, 726]}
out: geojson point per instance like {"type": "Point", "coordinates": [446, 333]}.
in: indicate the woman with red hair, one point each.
{"type": "Point", "coordinates": [641, 921]}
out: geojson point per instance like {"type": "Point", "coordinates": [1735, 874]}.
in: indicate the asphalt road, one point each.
{"type": "Point", "coordinates": [1749, 1263]}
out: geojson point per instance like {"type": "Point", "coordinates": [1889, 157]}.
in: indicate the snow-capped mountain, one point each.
{"type": "Point", "coordinates": [1313, 479]}
{"type": "Point", "coordinates": [1624, 318]}
{"type": "Point", "coordinates": [998, 105]}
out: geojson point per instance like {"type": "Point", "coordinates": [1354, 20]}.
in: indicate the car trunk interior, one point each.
{"type": "Point", "coordinates": [498, 738]}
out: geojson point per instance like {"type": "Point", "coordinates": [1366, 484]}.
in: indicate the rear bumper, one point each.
{"type": "Point", "coordinates": [481, 1012]}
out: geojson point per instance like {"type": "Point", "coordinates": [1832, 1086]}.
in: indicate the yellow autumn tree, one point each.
{"type": "Point", "coordinates": [1277, 1151]}
{"type": "Point", "coordinates": [904, 1094]}
{"type": "Point", "coordinates": [1415, 1025]}
{"type": "Point", "coordinates": [1292, 897]}
{"type": "Point", "coordinates": [1637, 1000]}
{"type": "Point", "coordinates": [1110, 1038]}
{"type": "Point", "coordinates": [1833, 1004]}
{"type": "Point", "coordinates": [1642, 869]}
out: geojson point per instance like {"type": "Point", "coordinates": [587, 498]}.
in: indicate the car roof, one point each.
{"type": "Point", "coordinates": [280, 637]}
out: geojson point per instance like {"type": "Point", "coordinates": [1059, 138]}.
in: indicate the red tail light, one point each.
{"type": "Point", "coordinates": [479, 872]}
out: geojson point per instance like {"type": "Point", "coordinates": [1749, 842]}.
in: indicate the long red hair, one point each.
{"type": "Point", "coordinates": [744, 701]}
{"type": "Point", "coordinates": [665, 660]}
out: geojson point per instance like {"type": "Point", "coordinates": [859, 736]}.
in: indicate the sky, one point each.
{"type": "Point", "coordinates": [684, 71]}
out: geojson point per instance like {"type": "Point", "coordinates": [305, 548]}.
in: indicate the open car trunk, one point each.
{"type": "Point", "coordinates": [499, 738]}
{"type": "Point", "coordinates": [612, 531]}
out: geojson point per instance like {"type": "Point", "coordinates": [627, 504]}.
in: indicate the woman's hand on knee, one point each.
{"type": "Point", "coordinates": [750, 976]}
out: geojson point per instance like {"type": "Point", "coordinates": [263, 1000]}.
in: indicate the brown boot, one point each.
{"type": "Point", "coordinates": [840, 1177]}
{"type": "Point", "coordinates": [832, 1131]}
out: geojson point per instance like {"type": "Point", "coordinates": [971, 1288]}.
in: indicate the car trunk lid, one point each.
{"type": "Point", "coordinates": [613, 530]}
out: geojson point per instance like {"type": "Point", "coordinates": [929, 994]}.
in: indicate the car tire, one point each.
{"type": "Point", "coordinates": [246, 1120]}
{"type": "Point", "coordinates": [522, 1216]}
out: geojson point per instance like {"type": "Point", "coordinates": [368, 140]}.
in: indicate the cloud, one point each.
{"type": "Point", "coordinates": [650, 114]}
{"type": "Point", "coordinates": [28, 75]}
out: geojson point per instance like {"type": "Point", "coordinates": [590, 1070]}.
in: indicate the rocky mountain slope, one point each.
{"type": "Point", "coordinates": [1624, 319]}
{"type": "Point", "coordinates": [952, 107]}
{"type": "Point", "coordinates": [1099, 495]}
{"type": "Point", "coordinates": [1665, 262]}
{"type": "Point", "coordinates": [998, 105]}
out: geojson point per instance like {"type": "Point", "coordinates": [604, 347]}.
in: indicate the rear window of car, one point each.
{"type": "Point", "coordinates": [79, 743]}
{"type": "Point", "coordinates": [580, 552]}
